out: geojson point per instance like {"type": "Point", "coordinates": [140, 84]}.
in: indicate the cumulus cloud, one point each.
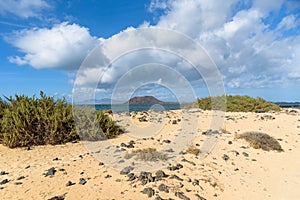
{"type": "Point", "coordinates": [64, 46]}
{"type": "Point", "coordinates": [246, 49]}
{"type": "Point", "coordinates": [23, 8]}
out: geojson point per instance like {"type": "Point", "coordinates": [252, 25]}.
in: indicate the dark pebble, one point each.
{"type": "Point", "coordinates": [82, 181]}
{"type": "Point", "coordinates": [69, 183]}
{"type": "Point", "coordinates": [187, 161]}
{"type": "Point", "coordinates": [175, 167]}
{"type": "Point", "coordinates": [20, 178]}
{"type": "Point", "coordinates": [131, 177]}
{"type": "Point", "coordinates": [126, 170]}
{"type": "Point", "coordinates": [4, 181]}
{"type": "Point", "coordinates": [163, 187]}
{"type": "Point", "coordinates": [18, 183]}
{"type": "Point", "coordinates": [55, 159]}
{"type": "Point", "coordinates": [3, 173]}
{"type": "Point", "coordinates": [101, 163]}
{"type": "Point", "coordinates": [148, 191]}
{"type": "Point", "coordinates": [57, 198]}
{"type": "Point", "coordinates": [180, 195]}
{"type": "Point", "coordinates": [167, 141]}
{"type": "Point", "coordinates": [199, 197]}
{"type": "Point", "coordinates": [50, 172]}
{"type": "Point", "coordinates": [27, 167]}
{"type": "Point", "coordinates": [195, 182]}
{"type": "Point", "coordinates": [160, 174]}
{"type": "Point", "coordinates": [225, 157]}
{"type": "Point", "coordinates": [245, 154]}
{"type": "Point", "coordinates": [229, 142]}
{"type": "Point", "coordinates": [174, 176]}
{"type": "Point", "coordinates": [107, 176]}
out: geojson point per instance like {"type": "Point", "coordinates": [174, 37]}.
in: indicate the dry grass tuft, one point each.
{"type": "Point", "coordinates": [262, 141]}
{"type": "Point", "coordinates": [193, 150]}
{"type": "Point", "coordinates": [147, 154]}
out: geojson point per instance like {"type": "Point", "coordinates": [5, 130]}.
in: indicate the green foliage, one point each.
{"type": "Point", "coordinates": [236, 104]}
{"type": "Point", "coordinates": [27, 121]}
{"type": "Point", "coordinates": [259, 140]}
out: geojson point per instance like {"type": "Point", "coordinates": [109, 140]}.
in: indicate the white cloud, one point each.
{"type": "Point", "coordinates": [64, 46]}
{"type": "Point", "coordinates": [288, 22]}
{"type": "Point", "coordinates": [23, 8]}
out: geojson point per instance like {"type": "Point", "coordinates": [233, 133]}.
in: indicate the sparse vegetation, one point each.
{"type": "Point", "coordinates": [147, 154]}
{"type": "Point", "coordinates": [259, 140]}
{"type": "Point", "coordinates": [26, 121]}
{"type": "Point", "coordinates": [236, 104]}
{"type": "Point", "coordinates": [192, 149]}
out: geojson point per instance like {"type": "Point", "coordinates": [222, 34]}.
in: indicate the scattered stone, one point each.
{"type": "Point", "coordinates": [27, 148]}
{"type": "Point", "coordinates": [174, 176]}
{"type": "Point", "coordinates": [167, 141]}
{"type": "Point", "coordinates": [236, 169]}
{"type": "Point", "coordinates": [174, 121]}
{"type": "Point", "coordinates": [148, 191]}
{"type": "Point", "coordinates": [225, 157]}
{"type": "Point", "coordinates": [3, 173]}
{"type": "Point", "coordinates": [195, 182]}
{"type": "Point", "coordinates": [126, 170]}
{"type": "Point", "coordinates": [82, 181]}
{"type": "Point", "coordinates": [160, 174]}
{"type": "Point", "coordinates": [69, 183]}
{"type": "Point", "coordinates": [245, 154]}
{"type": "Point", "coordinates": [163, 188]}
{"type": "Point", "coordinates": [18, 183]}
{"type": "Point", "coordinates": [229, 142]}
{"type": "Point", "coordinates": [50, 172]}
{"type": "Point", "coordinates": [27, 167]}
{"type": "Point", "coordinates": [4, 181]}
{"type": "Point", "coordinates": [55, 159]}
{"type": "Point", "coordinates": [158, 198]}
{"type": "Point", "coordinates": [190, 162]}
{"type": "Point", "coordinates": [180, 195]}
{"type": "Point", "coordinates": [101, 163]}
{"type": "Point", "coordinates": [20, 178]}
{"type": "Point", "coordinates": [169, 150]}
{"type": "Point", "coordinates": [175, 167]}
{"type": "Point", "coordinates": [57, 198]}
{"type": "Point", "coordinates": [107, 176]}
{"type": "Point", "coordinates": [199, 197]}
{"type": "Point", "coordinates": [131, 177]}
{"type": "Point", "coordinates": [146, 177]}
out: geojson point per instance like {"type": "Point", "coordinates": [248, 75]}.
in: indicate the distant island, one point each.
{"type": "Point", "coordinates": [147, 100]}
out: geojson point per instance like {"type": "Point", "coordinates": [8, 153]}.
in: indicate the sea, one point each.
{"type": "Point", "coordinates": [139, 107]}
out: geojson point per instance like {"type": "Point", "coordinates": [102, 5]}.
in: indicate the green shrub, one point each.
{"type": "Point", "coordinates": [259, 140]}
{"type": "Point", "coordinates": [236, 104]}
{"type": "Point", "coordinates": [30, 121]}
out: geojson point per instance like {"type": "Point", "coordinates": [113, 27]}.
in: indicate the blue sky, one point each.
{"type": "Point", "coordinates": [255, 45]}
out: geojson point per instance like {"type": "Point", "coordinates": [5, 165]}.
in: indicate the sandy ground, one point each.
{"type": "Point", "coordinates": [247, 173]}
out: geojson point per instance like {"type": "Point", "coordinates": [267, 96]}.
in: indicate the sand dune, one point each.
{"type": "Point", "coordinates": [226, 168]}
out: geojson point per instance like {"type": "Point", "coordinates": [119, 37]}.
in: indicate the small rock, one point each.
{"type": "Point", "coordinates": [126, 170]}
{"type": "Point", "coordinates": [27, 167]}
{"type": "Point", "coordinates": [190, 162]}
{"type": "Point", "coordinates": [3, 173]}
{"type": "Point", "coordinates": [82, 181]}
{"type": "Point", "coordinates": [174, 176]}
{"type": "Point", "coordinates": [167, 141]}
{"type": "Point", "coordinates": [175, 167]}
{"type": "Point", "coordinates": [180, 195]}
{"type": "Point", "coordinates": [4, 181]}
{"type": "Point", "coordinates": [20, 178]}
{"type": "Point", "coordinates": [195, 182]}
{"type": "Point", "coordinates": [149, 191]}
{"type": "Point", "coordinates": [107, 176]}
{"type": "Point", "coordinates": [50, 172]}
{"type": "Point", "coordinates": [27, 148]}
{"type": "Point", "coordinates": [160, 174]}
{"type": "Point", "coordinates": [55, 159]}
{"type": "Point", "coordinates": [101, 163]}
{"type": "Point", "coordinates": [245, 154]}
{"type": "Point", "coordinates": [18, 183]}
{"type": "Point", "coordinates": [131, 177]}
{"type": "Point", "coordinates": [229, 142]}
{"type": "Point", "coordinates": [174, 121]}
{"type": "Point", "coordinates": [169, 150]}
{"type": "Point", "coordinates": [57, 198]}
{"type": "Point", "coordinates": [225, 157]}
{"type": "Point", "coordinates": [199, 197]}
{"type": "Point", "coordinates": [163, 187]}
{"type": "Point", "coordinates": [69, 183]}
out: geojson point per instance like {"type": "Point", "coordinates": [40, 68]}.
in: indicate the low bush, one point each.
{"type": "Point", "coordinates": [236, 103]}
{"type": "Point", "coordinates": [30, 121]}
{"type": "Point", "coordinates": [259, 140]}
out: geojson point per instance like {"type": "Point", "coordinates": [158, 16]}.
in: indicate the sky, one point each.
{"type": "Point", "coordinates": [170, 49]}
